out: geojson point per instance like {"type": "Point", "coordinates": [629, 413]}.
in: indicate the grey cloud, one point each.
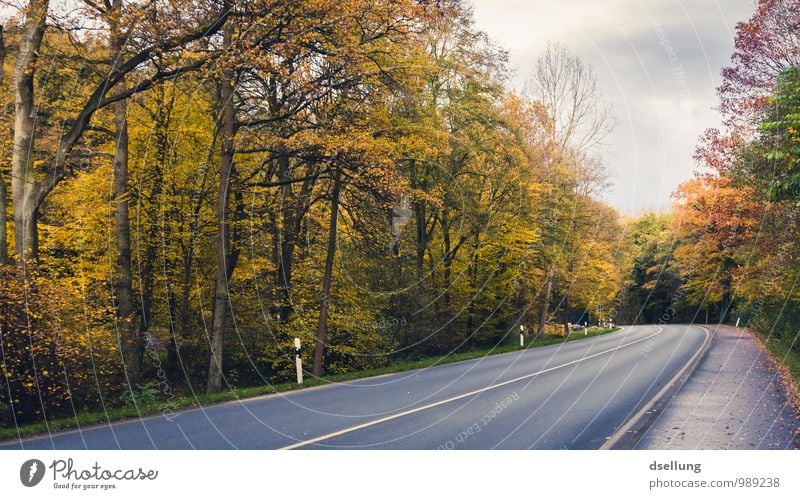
{"type": "Point", "coordinates": [663, 97]}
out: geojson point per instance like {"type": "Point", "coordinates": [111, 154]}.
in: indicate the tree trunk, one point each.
{"type": "Point", "coordinates": [288, 237]}
{"type": "Point", "coordinates": [322, 326]}
{"type": "Point", "coordinates": [727, 295]}
{"type": "Point", "coordinates": [151, 238]}
{"type": "Point", "coordinates": [422, 238]}
{"type": "Point", "coordinates": [130, 342]}
{"type": "Point", "coordinates": [221, 293]}
{"type": "Point", "coordinates": [474, 292]}
{"type": "Point", "coordinates": [128, 331]}
{"type": "Point", "coordinates": [447, 270]}
{"type": "Point", "coordinates": [184, 328]}
{"type": "Point", "coordinates": [725, 304]}
{"type": "Point", "coordinates": [3, 222]}
{"type": "Point", "coordinates": [422, 228]}
{"type": "Point", "coordinates": [148, 271]}
{"type": "Point", "coordinates": [548, 291]}
{"type": "Point", "coordinates": [23, 179]}
{"type": "Point", "coordinates": [3, 188]}
{"type": "Point", "coordinates": [181, 331]}
{"type": "Point", "coordinates": [295, 206]}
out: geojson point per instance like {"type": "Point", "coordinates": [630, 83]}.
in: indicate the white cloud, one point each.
{"type": "Point", "coordinates": [658, 63]}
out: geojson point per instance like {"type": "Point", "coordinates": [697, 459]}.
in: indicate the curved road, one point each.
{"type": "Point", "coordinates": [574, 395]}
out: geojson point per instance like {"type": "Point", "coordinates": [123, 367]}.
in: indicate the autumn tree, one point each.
{"type": "Point", "coordinates": [652, 282]}
{"type": "Point", "coordinates": [579, 123]}
{"type": "Point", "coordinates": [3, 187]}
{"type": "Point", "coordinates": [30, 188]}
{"type": "Point", "coordinates": [715, 222]}
{"type": "Point", "coordinates": [765, 45]}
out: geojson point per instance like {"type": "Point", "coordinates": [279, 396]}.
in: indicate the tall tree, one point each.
{"type": "Point", "coordinates": [225, 254]}
{"type": "Point", "coordinates": [128, 329]}
{"type": "Point", "coordinates": [580, 122]}
{"type": "Point", "coordinates": [26, 191]}
{"type": "Point", "coordinates": [3, 188]}
{"type": "Point", "coordinates": [327, 277]}
{"type": "Point", "coordinates": [30, 191]}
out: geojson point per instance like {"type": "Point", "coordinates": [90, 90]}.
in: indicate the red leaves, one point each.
{"type": "Point", "coordinates": [718, 151]}
{"type": "Point", "coordinates": [765, 45]}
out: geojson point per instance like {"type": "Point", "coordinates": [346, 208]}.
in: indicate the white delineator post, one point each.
{"type": "Point", "coordinates": [521, 336]}
{"type": "Point", "coordinates": [737, 321]}
{"type": "Point", "coordinates": [298, 360]}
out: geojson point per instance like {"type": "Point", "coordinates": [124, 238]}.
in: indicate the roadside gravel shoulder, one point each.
{"type": "Point", "coordinates": [737, 398]}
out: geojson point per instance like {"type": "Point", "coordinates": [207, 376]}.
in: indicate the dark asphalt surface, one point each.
{"type": "Point", "coordinates": [583, 392]}
{"type": "Point", "coordinates": [735, 399]}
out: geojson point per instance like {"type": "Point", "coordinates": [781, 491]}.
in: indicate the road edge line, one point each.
{"type": "Point", "coordinates": [630, 433]}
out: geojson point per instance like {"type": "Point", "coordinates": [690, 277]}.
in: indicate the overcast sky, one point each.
{"type": "Point", "coordinates": [658, 63]}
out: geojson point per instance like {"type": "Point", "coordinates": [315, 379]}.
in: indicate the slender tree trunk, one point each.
{"type": "Point", "coordinates": [3, 188]}
{"type": "Point", "coordinates": [184, 328]}
{"type": "Point", "coordinates": [221, 292]}
{"type": "Point", "coordinates": [447, 270]}
{"type": "Point", "coordinates": [548, 291]}
{"type": "Point", "coordinates": [288, 237]}
{"type": "Point", "coordinates": [128, 328]}
{"type": "Point", "coordinates": [129, 337]}
{"type": "Point", "coordinates": [322, 326]}
{"type": "Point", "coordinates": [420, 216]}
{"type": "Point", "coordinates": [151, 238]}
{"type": "Point", "coordinates": [473, 284]}
{"type": "Point", "coordinates": [293, 213]}
{"type": "Point", "coordinates": [3, 222]}
{"type": "Point", "coordinates": [422, 238]}
{"type": "Point", "coordinates": [23, 179]}
{"type": "Point", "coordinates": [148, 265]}
{"type": "Point", "coordinates": [725, 304]}
{"type": "Point", "coordinates": [727, 299]}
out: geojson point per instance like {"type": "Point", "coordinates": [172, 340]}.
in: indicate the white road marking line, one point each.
{"type": "Point", "coordinates": [648, 406]}
{"type": "Point", "coordinates": [361, 426]}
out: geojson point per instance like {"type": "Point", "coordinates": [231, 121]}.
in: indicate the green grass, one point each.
{"type": "Point", "coordinates": [82, 419]}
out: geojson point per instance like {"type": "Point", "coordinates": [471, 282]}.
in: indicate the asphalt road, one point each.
{"type": "Point", "coordinates": [574, 395]}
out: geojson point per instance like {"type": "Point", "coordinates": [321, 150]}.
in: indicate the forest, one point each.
{"type": "Point", "coordinates": [188, 186]}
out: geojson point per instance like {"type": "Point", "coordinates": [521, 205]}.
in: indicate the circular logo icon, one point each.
{"type": "Point", "coordinates": [31, 472]}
